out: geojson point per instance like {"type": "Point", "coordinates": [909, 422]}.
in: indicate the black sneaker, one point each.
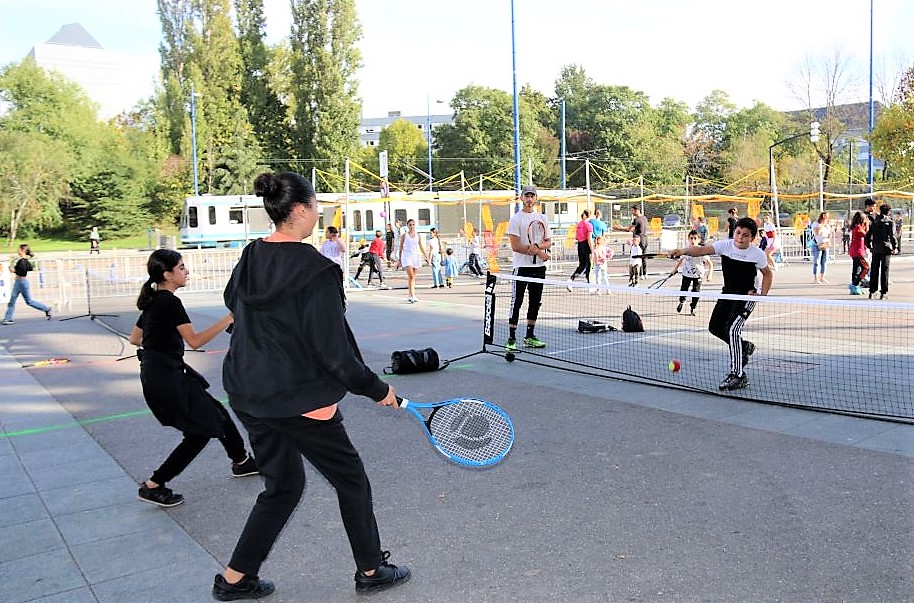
{"type": "Point", "coordinates": [161, 496]}
{"type": "Point", "coordinates": [249, 587]}
{"type": "Point", "coordinates": [734, 381]}
{"type": "Point", "coordinates": [245, 468]}
{"type": "Point", "coordinates": [387, 575]}
{"type": "Point", "coordinates": [47, 314]}
{"type": "Point", "coordinates": [692, 312]}
{"type": "Point", "coordinates": [679, 307]}
{"type": "Point", "coordinates": [748, 350]}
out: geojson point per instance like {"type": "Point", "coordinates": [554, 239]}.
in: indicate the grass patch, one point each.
{"type": "Point", "coordinates": [57, 243]}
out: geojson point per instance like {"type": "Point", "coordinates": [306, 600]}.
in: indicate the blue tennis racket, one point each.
{"type": "Point", "coordinates": [468, 431]}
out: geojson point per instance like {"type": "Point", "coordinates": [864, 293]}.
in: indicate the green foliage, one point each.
{"type": "Point", "coordinates": [893, 140]}
{"type": "Point", "coordinates": [406, 146]}
{"type": "Point", "coordinates": [482, 132]}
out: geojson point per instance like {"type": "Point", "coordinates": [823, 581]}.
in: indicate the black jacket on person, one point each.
{"type": "Point", "coordinates": [292, 350]}
{"type": "Point", "coordinates": [880, 238]}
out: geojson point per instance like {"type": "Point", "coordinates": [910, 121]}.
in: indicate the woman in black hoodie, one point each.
{"type": "Point", "coordinates": [292, 358]}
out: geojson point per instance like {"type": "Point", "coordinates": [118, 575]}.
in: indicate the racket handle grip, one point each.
{"type": "Point", "coordinates": [402, 402]}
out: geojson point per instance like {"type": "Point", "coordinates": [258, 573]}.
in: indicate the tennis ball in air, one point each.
{"type": "Point", "coordinates": [509, 356]}
{"type": "Point", "coordinates": [675, 365]}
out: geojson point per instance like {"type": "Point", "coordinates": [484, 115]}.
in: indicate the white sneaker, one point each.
{"type": "Point", "coordinates": [569, 287]}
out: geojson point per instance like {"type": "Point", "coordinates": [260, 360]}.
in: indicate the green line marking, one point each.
{"type": "Point", "coordinates": [134, 413]}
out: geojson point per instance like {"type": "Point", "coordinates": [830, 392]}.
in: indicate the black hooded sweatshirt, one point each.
{"type": "Point", "coordinates": [292, 350]}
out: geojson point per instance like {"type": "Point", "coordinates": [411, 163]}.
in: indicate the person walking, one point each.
{"type": "Point", "coordinates": [376, 249]}
{"type": "Point", "coordinates": [880, 240]}
{"type": "Point", "coordinates": [286, 393]}
{"type": "Point", "coordinates": [21, 268]}
{"type": "Point", "coordinates": [434, 259]}
{"type": "Point", "coordinates": [583, 237]}
{"type": "Point", "coordinates": [410, 257]}
{"type": "Point", "coordinates": [94, 241]}
{"type": "Point", "coordinates": [175, 393]}
{"type": "Point", "coordinates": [389, 243]}
{"type": "Point", "coordinates": [741, 261]}
{"type": "Point", "coordinates": [529, 259]}
{"type": "Point", "coordinates": [821, 236]}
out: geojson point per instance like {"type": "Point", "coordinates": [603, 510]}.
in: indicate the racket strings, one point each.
{"type": "Point", "coordinates": [471, 430]}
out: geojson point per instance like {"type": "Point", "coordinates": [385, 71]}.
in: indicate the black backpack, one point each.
{"type": "Point", "coordinates": [405, 362]}
{"type": "Point", "coordinates": [631, 322]}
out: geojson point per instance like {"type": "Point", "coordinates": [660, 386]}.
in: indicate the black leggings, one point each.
{"type": "Point", "coordinates": [727, 321]}
{"type": "Point", "coordinates": [583, 260]}
{"type": "Point", "coordinates": [859, 271]}
{"type": "Point", "coordinates": [695, 283]}
{"type": "Point", "coordinates": [192, 445]}
{"type": "Point", "coordinates": [517, 294]}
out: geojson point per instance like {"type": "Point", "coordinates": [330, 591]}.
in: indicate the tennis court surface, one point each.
{"type": "Point", "coordinates": [614, 490]}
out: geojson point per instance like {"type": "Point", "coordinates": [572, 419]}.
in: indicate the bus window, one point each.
{"type": "Point", "coordinates": [357, 219]}
{"type": "Point", "coordinates": [400, 214]}
{"type": "Point", "coordinates": [192, 216]}
{"type": "Point", "coordinates": [236, 215]}
{"type": "Point", "coordinates": [212, 214]}
{"type": "Point", "coordinates": [425, 217]}
{"type": "Point", "coordinates": [369, 219]}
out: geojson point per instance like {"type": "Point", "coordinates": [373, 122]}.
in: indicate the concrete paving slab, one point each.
{"type": "Point", "coordinates": [29, 578]}
{"type": "Point", "coordinates": [27, 539]}
{"type": "Point", "coordinates": [110, 521]}
{"type": "Point", "coordinates": [21, 509]}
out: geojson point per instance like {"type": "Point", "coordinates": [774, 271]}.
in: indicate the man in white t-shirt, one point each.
{"type": "Point", "coordinates": [740, 263]}
{"type": "Point", "coordinates": [530, 244]}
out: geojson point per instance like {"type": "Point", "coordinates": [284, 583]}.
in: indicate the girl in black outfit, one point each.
{"type": "Point", "coordinates": [176, 394]}
{"type": "Point", "coordinates": [21, 269]}
{"type": "Point", "coordinates": [291, 359]}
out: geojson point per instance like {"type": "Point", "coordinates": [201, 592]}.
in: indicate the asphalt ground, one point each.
{"type": "Point", "coordinates": [614, 491]}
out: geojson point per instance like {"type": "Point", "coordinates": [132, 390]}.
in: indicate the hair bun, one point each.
{"type": "Point", "coordinates": [266, 185]}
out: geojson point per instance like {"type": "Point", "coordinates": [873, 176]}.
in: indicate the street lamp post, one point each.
{"type": "Point", "coordinates": [516, 102]}
{"type": "Point", "coordinates": [428, 138]}
{"type": "Point", "coordinates": [193, 137]}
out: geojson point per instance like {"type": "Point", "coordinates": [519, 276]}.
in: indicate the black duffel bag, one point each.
{"type": "Point", "coordinates": [405, 362]}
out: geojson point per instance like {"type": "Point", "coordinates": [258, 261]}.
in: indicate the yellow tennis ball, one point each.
{"type": "Point", "coordinates": [675, 365]}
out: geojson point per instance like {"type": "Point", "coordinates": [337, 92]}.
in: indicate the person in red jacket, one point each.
{"type": "Point", "coordinates": [856, 249]}
{"type": "Point", "coordinates": [376, 249]}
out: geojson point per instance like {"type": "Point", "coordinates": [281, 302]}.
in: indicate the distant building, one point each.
{"type": "Point", "coordinates": [855, 117]}
{"type": "Point", "coordinates": [370, 127]}
{"type": "Point", "coordinates": [115, 82]}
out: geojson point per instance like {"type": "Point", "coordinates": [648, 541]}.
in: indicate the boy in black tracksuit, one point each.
{"type": "Point", "coordinates": [880, 240]}
{"type": "Point", "coordinates": [740, 263]}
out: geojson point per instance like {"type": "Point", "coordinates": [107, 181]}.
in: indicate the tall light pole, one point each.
{"type": "Point", "coordinates": [193, 136]}
{"type": "Point", "coordinates": [563, 143]}
{"type": "Point", "coordinates": [516, 112]}
{"type": "Point", "coordinates": [869, 161]}
{"type": "Point", "coordinates": [428, 137]}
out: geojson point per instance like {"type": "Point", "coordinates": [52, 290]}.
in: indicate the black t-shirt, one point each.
{"type": "Point", "coordinates": [731, 226]}
{"type": "Point", "coordinates": [160, 322]}
{"type": "Point", "coordinates": [640, 224]}
{"type": "Point", "coordinates": [22, 267]}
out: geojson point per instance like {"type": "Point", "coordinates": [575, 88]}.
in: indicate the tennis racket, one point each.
{"type": "Point", "coordinates": [659, 283]}
{"type": "Point", "coordinates": [537, 232]}
{"type": "Point", "coordinates": [467, 431]}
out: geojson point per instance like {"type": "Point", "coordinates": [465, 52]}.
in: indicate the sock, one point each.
{"type": "Point", "coordinates": [512, 333]}
{"type": "Point", "coordinates": [529, 330]}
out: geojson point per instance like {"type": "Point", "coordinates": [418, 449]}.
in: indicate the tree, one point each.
{"type": "Point", "coordinates": [893, 134]}
{"type": "Point", "coordinates": [324, 60]}
{"type": "Point", "coordinates": [482, 134]}
{"type": "Point", "coordinates": [707, 138]}
{"type": "Point", "coordinates": [405, 145]}
{"type": "Point", "coordinates": [258, 96]}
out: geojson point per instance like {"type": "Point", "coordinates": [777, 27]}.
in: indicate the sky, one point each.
{"type": "Point", "coordinates": [417, 52]}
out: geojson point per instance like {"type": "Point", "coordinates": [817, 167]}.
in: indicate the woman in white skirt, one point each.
{"type": "Point", "coordinates": [411, 253]}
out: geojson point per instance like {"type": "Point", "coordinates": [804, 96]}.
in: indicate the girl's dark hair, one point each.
{"type": "Point", "coordinates": [332, 230]}
{"type": "Point", "coordinates": [281, 192]}
{"type": "Point", "coordinates": [857, 219]}
{"type": "Point", "coordinates": [24, 248]}
{"type": "Point", "coordinates": [160, 261]}
{"type": "Point", "coordinates": [693, 233]}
